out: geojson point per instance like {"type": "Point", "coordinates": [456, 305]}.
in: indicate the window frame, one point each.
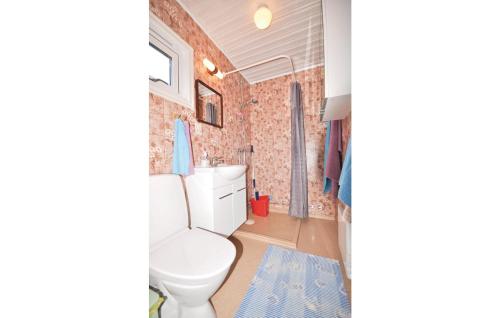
{"type": "Point", "coordinates": [174, 66]}
{"type": "Point", "coordinates": [169, 43]}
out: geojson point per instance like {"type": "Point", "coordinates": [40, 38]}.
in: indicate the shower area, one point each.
{"type": "Point", "coordinates": [266, 105]}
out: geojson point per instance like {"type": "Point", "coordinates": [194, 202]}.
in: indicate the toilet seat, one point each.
{"type": "Point", "coordinates": [192, 256]}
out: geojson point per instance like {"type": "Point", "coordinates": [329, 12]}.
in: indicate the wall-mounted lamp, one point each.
{"type": "Point", "coordinates": [212, 69]}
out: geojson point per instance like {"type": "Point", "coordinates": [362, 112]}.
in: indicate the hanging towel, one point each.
{"type": "Point", "coordinates": [334, 159]}
{"type": "Point", "coordinates": [327, 183]}
{"type": "Point", "coordinates": [182, 155]}
{"type": "Point", "coordinates": [345, 178]}
{"type": "Point", "coordinates": [188, 137]}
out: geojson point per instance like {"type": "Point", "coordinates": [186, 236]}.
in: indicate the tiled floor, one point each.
{"type": "Point", "coordinates": [316, 236]}
{"type": "Point", "coordinates": [276, 228]}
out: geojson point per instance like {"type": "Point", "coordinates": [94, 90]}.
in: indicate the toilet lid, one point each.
{"type": "Point", "coordinates": [193, 254]}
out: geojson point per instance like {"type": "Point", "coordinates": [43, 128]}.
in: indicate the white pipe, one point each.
{"type": "Point", "coordinates": [266, 61]}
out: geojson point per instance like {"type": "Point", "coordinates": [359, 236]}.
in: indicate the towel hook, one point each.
{"type": "Point", "coordinates": [181, 117]}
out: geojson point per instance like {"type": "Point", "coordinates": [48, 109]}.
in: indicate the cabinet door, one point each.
{"type": "Point", "coordinates": [223, 211]}
{"type": "Point", "coordinates": [240, 207]}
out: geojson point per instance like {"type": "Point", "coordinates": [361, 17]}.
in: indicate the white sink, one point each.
{"type": "Point", "coordinates": [230, 172]}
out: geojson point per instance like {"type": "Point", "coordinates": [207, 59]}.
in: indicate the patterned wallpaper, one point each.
{"type": "Point", "coordinates": [162, 112]}
{"type": "Point", "coordinates": [266, 125]}
{"type": "Point", "coordinates": [270, 135]}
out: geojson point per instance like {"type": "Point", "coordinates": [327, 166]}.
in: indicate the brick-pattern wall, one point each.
{"type": "Point", "coordinates": [162, 112]}
{"type": "Point", "coordinates": [270, 135]}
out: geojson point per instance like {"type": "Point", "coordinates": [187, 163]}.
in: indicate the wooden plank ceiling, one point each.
{"type": "Point", "coordinates": [296, 30]}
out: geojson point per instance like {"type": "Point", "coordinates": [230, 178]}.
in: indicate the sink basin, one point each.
{"type": "Point", "coordinates": [230, 172]}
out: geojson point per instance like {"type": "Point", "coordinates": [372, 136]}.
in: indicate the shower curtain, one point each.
{"type": "Point", "coordinates": [298, 183]}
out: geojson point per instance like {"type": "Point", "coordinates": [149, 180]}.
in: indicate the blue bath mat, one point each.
{"type": "Point", "coordinates": [290, 284]}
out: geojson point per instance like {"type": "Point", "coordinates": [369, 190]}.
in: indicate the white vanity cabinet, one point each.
{"type": "Point", "coordinates": [216, 203]}
{"type": "Point", "coordinates": [223, 220]}
{"type": "Point", "coordinates": [240, 206]}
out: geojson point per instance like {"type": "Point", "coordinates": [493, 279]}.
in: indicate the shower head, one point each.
{"type": "Point", "coordinates": [252, 101]}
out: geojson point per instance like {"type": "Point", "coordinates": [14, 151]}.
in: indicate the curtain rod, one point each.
{"type": "Point", "coordinates": [266, 61]}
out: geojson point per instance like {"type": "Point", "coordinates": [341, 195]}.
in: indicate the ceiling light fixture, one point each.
{"type": "Point", "coordinates": [262, 17]}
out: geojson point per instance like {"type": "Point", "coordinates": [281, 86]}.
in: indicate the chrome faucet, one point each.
{"type": "Point", "coordinates": [214, 161]}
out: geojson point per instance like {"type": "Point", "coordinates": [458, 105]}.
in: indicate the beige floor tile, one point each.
{"type": "Point", "coordinates": [276, 228]}
{"type": "Point", "coordinates": [248, 257]}
{"type": "Point", "coordinates": [320, 237]}
{"type": "Point", "coordinates": [277, 225]}
{"type": "Point", "coordinates": [316, 236]}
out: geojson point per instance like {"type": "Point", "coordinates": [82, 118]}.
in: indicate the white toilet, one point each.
{"type": "Point", "coordinates": [187, 265]}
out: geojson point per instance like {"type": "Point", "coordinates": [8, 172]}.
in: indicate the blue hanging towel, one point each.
{"type": "Point", "coordinates": [345, 178]}
{"type": "Point", "coordinates": [327, 182]}
{"type": "Point", "coordinates": [181, 156]}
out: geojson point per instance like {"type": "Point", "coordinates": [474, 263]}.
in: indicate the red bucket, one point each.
{"type": "Point", "coordinates": [260, 207]}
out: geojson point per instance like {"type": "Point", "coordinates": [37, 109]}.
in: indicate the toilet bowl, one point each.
{"type": "Point", "coordinates": [187, 265]}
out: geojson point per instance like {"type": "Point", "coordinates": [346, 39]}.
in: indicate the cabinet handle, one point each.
{"type": "Point", "coordinates": [241, 189]}
{"type": "Point", "coordinates": [225, 196]}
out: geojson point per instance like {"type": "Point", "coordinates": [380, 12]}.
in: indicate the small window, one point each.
{"type": "Point", "coordinates": [163, 65]}
{"type": "Point", "coordinates": [160, 65]}
{"type": "Point", "coordinates": [171, 73]}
